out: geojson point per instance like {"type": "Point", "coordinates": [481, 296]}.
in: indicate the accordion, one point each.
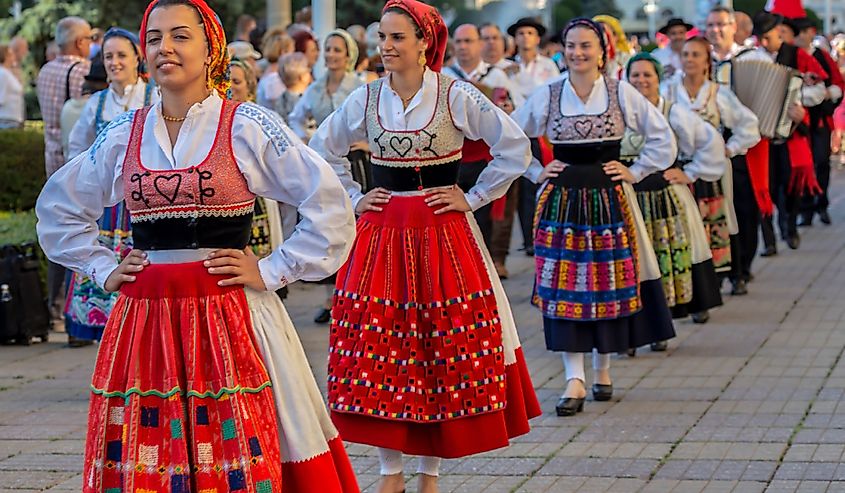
{"type": "Point", "coordinates": [767, 89]}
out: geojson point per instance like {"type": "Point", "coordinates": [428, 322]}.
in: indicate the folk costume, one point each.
{"type": "Point", "coordinates": [424, 357]}
{"type": "Point", "coordinates": [197, 386]}
{"type": "Point", "coordinates": [597, 279]}
{"type": "Point", "coordinates": [719, 107]}
{"type": "Point", "coordinates": [87, 307]}
{"type": "Point", "coordinates": [671, 213]}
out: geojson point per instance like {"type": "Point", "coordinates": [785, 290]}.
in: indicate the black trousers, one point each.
{"type": "Point", "coordinates": [744, 243]}
{"type": "Point", "coordinates": [528, 202]}
{"type": "Point", "coordinates": [467, 178]}
{"type": "Point", "coordinates": [820, 141]}
{"type": "Point", "coordinates": [780, 170]}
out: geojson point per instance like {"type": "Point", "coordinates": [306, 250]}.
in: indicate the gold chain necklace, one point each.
{"type": "Point", "coordinates": [172, 118]}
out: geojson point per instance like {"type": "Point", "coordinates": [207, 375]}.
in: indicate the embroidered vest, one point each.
{"type": "Point", "coordinates": [586, 139]}
{"type": "Point", "coordinates": [414, 159]}
{"type": "Point", "coordinates": [633, 142]}
{"type": "Point", "coordinates": [205, 206]}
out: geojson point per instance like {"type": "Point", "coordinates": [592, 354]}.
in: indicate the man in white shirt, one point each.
{"type": "Point", "coordinates": [670, 55]}
{"type": "Point", "coordinates": [534, 68]}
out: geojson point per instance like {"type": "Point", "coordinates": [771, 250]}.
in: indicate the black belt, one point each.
{"type": "Point", "coordinates": [406, 179]}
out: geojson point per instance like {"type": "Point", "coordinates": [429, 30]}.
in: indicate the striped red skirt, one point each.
{"type": "Point", "coordinates": [180, 397]}
{"type": "Point", "coordinates": [422, 357]}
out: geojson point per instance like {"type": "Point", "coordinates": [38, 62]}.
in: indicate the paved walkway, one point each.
{"type": "Point", "coordinates": [751, 402]}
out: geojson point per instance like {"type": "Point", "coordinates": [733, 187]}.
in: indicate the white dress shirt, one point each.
{"type": "Point", "coordinates": [640, 116]}
{"type": "Point", "coordinates": [534, 74]}
{"type": "Point", "coordinates": [85, 129]}
{"type": "Point", "coordinates": [273, 161]}
{"type": "Point", "coordinates": [472, 113]}
{"type": "Point", "coordinates": [733, 114]}
{"type": "Point", "coordinates": [698, 142]}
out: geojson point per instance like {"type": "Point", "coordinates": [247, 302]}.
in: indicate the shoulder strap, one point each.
{"type": "Point", "coordinates": [101, 104]}
{"type": "Point", "coordinates": [67, 79]}
{"type": "Point", "coordinates": [148, 93]}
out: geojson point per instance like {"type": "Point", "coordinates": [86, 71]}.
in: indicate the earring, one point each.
{"type": "Point", "coordinates": [421, 61]}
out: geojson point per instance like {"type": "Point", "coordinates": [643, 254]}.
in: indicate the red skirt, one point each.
{"type": "Point", "coordinates": [418, 358]}
{"type": "Point", "coordinates": [180, 397]}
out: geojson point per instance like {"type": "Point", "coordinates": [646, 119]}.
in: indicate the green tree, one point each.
{"type": "Point", "coordinates": [565, 10]}
{"type": "Point", "coordinates": [596, 7]}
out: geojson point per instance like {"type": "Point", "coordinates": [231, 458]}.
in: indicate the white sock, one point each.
{"type": "Point", "coordinates": [390, 461]}
{"type": "Point", "coordinates": [429, 466]}
{"type": "Point", "coordinates": [573, 365]}
{"type": "Point", "coordinates": [601, 361]}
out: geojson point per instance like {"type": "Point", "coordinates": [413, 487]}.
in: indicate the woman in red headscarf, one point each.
{"type": "Point", "coordinates": [200, 382]}
{"type": "Point", "coordinates": [424, 356]}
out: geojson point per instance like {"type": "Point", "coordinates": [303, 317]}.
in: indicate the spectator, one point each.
{"type": "Point", "coordinates": [58, 81]}
{"type": "Point", "coordinates": [304, 42]}
{"type": "Point", "coordinates": [303, 17]}
{"type": "Point", "coordinates": [96, 43]}
{"type": "Point", "coordinates": [245, 25]}
{"type": "Point", "coordinates": [244, 51]}
{"type": "Point", "coordinates": [243, 81]}
{"type": "Point", "coordinates": [362, 66]}
{"type": "Point", "coordinates": [20, 47]}
{"type": "Point", "coordinates": [372, 39]}
{"type": "Point", "coordinates": [358, 33]}
{"type": "Point", "coordinates": [270, 88]}
{"type": "Point", "coordinates": [11, 91]}
{"type": "Point", "coordinates": [296, 76]}
{"type": "Point", "coordinates": [95, 81]}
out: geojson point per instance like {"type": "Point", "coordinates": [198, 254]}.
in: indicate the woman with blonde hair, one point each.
{"type": "Point", "coordinates": [276, 43]}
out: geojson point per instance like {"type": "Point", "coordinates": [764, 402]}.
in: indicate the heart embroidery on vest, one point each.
{"type": "Point", "coordinates": [584, 127]}
{"type": "Point", "coordinates": [637, 141]}
{"type": "Point", "coordinates": [168, 186]}
{"type": "Point", "coordinates": [402, 145]}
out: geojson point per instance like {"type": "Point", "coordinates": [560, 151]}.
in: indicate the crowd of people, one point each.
{"type": "Point", "coordinates": [191, 180]}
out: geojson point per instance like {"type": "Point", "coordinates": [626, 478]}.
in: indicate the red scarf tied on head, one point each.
{"type": "Point", "coordinates": [431, 23]}
{"type": "Point", "coordinates": [218, 69]}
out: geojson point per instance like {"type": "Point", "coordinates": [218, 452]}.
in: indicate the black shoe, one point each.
{"type": "Point", "coordinates": [806, 219]}
{"type": "Point", "coordinates": [323, 316]}
{"type": "Point", "coordinates": [793, 242]}
{"type": "Point", "coordinates": [659, 347]}
{"type": "Point", "coordinates": [739, 287]}
{"type": "Point", "coordinates": [701, 317]}
{"type": "Point", "coordinates": [824, 217]}
{"type": "Point", "coordinates": [76, 342]}
{"type": "Point", "coordinates": [602, 392]}
{"type": "Point", "coordinates": [770, 251]}
{"type": "Point", "coordinates": [569, 406]}
{"type": "Point", "coordinates": [529, 251]}
{"type": "Point", "coordinates": [632, 352]}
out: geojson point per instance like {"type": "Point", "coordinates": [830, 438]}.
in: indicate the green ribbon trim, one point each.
{"type": "Point", "coordinates": [178, 390]}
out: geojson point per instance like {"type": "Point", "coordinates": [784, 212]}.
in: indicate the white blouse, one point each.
{"type": "Point", "coordinates": [85, 130]}
{"type": "Point", "coordinates": [698, 141]}
{"type": "Point", "coordinates": [640, 116]}
{"type": "Point", "coordinates": [274, 162]}
{"type": "Point", "coordinates": [316, 104]}
{"type": "Point", "coordinates": [270, 89]}
{"type": "Point", "coordinates": [472, 113]}
{"type": "Point", "coordinates": [744, 126]}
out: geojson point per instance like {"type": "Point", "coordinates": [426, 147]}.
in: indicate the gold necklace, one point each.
{"type": "Point", "coordinates": [173, 118]}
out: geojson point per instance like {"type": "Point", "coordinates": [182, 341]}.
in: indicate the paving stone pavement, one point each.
{"type": "Point", "coordinates": [750, 402]}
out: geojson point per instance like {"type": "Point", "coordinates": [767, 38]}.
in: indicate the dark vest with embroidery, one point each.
{"type": "Point", "coordinates": [405, 160]}
{"type": "Point", "coordinates": [205, 206]}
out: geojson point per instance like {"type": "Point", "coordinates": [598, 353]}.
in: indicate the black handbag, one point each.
{"type": "Point", "coordinates": [23, 309]}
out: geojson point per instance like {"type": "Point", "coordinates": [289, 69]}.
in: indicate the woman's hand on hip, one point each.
{"type": "Point", "coordinates": [125, 272]}
{"type": "Point", "coordinates": [451, 199]}
{"type": "Point", "coordinates": [372, 200]}
{"type": "Point", "coordinates": [240, 265]}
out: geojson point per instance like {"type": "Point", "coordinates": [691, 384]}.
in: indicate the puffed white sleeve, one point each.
{"type": "Point", "coordinates": [73, 200]}
{"type": "Point", "coordinates": [478, 118]}
{"type": "Point", "coordinates": [700, 142]}
{"type": "Point", "coordinates": [743, 123]}
{"type": "Point", "coordinates": [531, 118]}
{"type": "Point", "coordinates": [813, 95]}
{"type": "Point", "coordinates": [83, 133]}
{"type": "Point", "coordinates": [335, 136]}
{"type": "Point", "coordinates": [298, 117]}
{"type": "Point", "coordinates": [642, 117]}
{"type": "Point", "coordinates": [279, 166]}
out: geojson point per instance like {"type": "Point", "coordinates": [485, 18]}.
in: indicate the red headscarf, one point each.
{"type": "Point", "coordinates": [431, 23]}
{"type": "Point", "coordinates": [218, 70]}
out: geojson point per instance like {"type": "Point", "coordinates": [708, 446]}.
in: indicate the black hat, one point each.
{"type": "Point", "coordinates": [527, 22]}
{"type": "Point", "coordinates": [97, 72]}
{"type": "Point", "coordinates": [800, 23]}
{"type": "Point", "coordinates": [675, 21]}
{"type": "Point", "coordinates": [765, 22]}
